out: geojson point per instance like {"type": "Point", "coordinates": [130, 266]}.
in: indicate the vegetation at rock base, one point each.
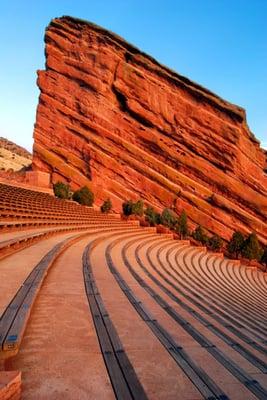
{"type": "Point", "coordinates": [200, 235]}
{"type": "Point", "coordinates": [106, 206]}
{"type": "Point", "coordinates": [152, 216]}
{"type": "Point", "coordinates": [169, 218]}
{"type": "Point", "coordinates": [131, 208]}
{"type": "Point", "coordinates": [138, 208]}
{"type": "Point", "coordinates": [251, 248]}
{"type": "Point", "coordinates": [181, 227]}
{"type": "Point", "coordinates": [236, 244]}
{"type": "Point", "coordinates": [84, 196]}
{"type": "Point", "coordinates": [62, 190]}
{"type": "Point", "coordinates": [264, 257]}
{"type": "Point", "coordinates": [127, 207]}
{"type": "Point", "coordinates": [215, 243]}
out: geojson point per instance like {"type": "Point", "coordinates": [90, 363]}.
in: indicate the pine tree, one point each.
{"type": "Point", "coordinates": [236, 244]}
{"type": "Point", "coordinates": [200, 235]}
{"type": "Point", "coordinates": [252, 249]}
{"type": "Point", "coordinates": [127, 207]}
{"type": "Point", "coordinates": [215, 242]}
{"type": "Point", "coordinates": [84, 196]}
{"type": "Point", "coordinates": [138, 208]}
{"type": "Point", "coordinates": [264, 256]}
{"type": "Point", "coordinates": [106, 206]}
{"type": "Point", "coordinates": [62, 190]}
{"type": "Point", "coordinates": [168, 218]}
{"type": "Point", "coordinates": [182, 227]}
{"type": "Point", "coordinates": [152, 216]}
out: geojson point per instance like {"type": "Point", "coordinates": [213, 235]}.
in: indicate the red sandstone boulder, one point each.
{"type": "Point", "coordinates": [114, 118]}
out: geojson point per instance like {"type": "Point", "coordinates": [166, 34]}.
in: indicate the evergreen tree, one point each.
{"type": "Point", "coordinates": [84, 196]}
{"type": "Point", "coordinates": [138, 208]}
{"type": "Point", "coordinates": [168, 218]}
{"type": "Point", "coordinates": [200, 235]}
{"type": "Point", "coordinates": [252, 249]}
{"type": "Point", "coordinates": [215, 242]}
{"type": "Point", "coordinates": [152, 216]}
{"type": "Point", "coordinates": [127, 207]}
{"type": "Point", "coordinates": [62, 190]}
{"type": "Point", "coordinates": [236, 244]}
{"type": "Point", "coordinates": [181, 226]}
{"type": "Point", "coordinates": [106, 206]}
{"type": "Point", "coordinates": [264, 256]}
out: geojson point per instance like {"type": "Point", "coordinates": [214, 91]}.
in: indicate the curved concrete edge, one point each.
{"type": "Point", "coordinates": [10, 385]}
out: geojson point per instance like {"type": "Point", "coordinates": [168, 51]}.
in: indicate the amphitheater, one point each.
{"type": "Point", "coordinates": [94, 307]}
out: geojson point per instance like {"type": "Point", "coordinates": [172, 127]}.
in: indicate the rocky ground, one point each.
{"type": "Point", "coordinates": [12, 156]}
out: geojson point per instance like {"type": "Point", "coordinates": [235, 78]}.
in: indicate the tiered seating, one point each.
{"type": "Point", "coordinates": [40, 215]}
{"type": "Point", "coordinates": [166, 321]}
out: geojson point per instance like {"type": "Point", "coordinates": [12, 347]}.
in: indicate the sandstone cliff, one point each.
{"type": "Point", "coordinates": [113, 116]}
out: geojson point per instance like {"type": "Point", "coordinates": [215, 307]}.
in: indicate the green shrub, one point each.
{"type": "Point", "coordinates": [127, 207]}
{"type": "Point", "coordinates": [84, 196]}
{"type": "Point", "coordinates": [138, 208]}
{"type": "Point", "coordinates": [181, 226]}
{"type": "Point", "coordinates": [215, 242]}
{"type": "Point", "coordinates": [62, 190]}
{"type": "Point", "coordinates": [200, 235]}
{"type": "Point", "coordinates": [264, 256]}
{"type": "Point", "coordinates": [152, 216]}
{"type": "Point", "coordinates": [106, 206]}
{"type": "Point", "coordinates": [251, 248]}
{"type": "Point", "coordinates": [168, 218]}
{"type": "Point", "coordinates": [236, 244]}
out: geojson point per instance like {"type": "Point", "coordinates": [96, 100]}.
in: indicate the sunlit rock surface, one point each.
{"type": "Point", "coordinates": [112, 116]}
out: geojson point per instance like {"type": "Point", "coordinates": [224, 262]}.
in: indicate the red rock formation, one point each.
{"type": "Point", "coordinates": [113, 116]}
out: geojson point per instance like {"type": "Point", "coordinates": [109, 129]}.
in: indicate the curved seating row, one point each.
{"type": "Point", "coordinates": [155, 317]}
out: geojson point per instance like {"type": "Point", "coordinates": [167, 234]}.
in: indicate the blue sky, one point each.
{"type": "Point", "coordinates": [221, 44]}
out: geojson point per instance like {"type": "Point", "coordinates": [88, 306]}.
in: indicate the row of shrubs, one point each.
{"type": "Point", "coordinates": [171, 220]}
{"type": "Point", "coordinates": [239, 245]}
{"type": "Point", "coordinates": [247, 247]}
{"type": "Point", "coordinates": [83, 196]}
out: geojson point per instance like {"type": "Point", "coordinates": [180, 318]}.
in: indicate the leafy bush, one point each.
{"type": "Point", "coordinates": [181, 226]}
{"type": "Point", "coordinates": [138, 208]}
{"type": "Point", "coordinates": [152, 216]}
{"type": "Point", "coordinates": [215, 242]}
{"type": "Point", "coordinates": [251, 248]}
{"type": "Point", "coordinates": [84, 196]}
{"type": "Point", "coordinates": [106, 206]}
{"type": "Point", "coordinates": [264, 256]}
{"type": "Point", "coordinates": [129, 208]}
{"type": "Point", "coordinates": [200, 235]}
{"type": "Point", "coordinates": [236, 244]}
{"type": "Point", "coordinates": [168, 218]}
{"type": "Point", "coordinates": [62, 190]}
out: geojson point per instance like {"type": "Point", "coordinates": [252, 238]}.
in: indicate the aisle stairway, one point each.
{"type": "Point", "coordinates": [94, 307]}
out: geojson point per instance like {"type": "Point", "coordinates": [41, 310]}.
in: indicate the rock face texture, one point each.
{"type": "Point", "coordinates": [113, 117]}
{"type": "Point", "coordinates": [12, 156]}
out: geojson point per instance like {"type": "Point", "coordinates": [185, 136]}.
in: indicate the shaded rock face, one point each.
{"type": "Point", "coordinates": [113, 117]}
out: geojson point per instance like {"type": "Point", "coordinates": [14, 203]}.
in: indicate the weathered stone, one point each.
{"type": "Point", "coordinates": [111, 116]}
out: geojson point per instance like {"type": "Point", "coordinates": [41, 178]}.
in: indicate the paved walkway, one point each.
{"type": "Point", "coordinates": [60, 356]}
